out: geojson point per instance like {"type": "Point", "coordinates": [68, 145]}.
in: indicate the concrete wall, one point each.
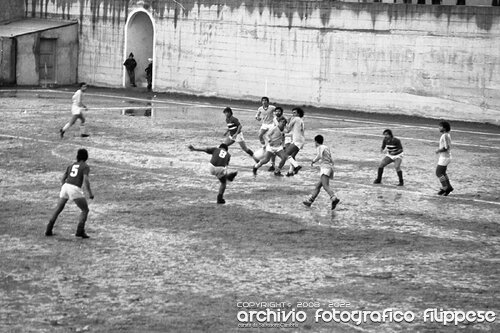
{"type": "Point", "coordinates": [27, 72]}
{"type": "Point", "coordinates": [438, 61]}
{"type": "Point", "coordinates": [7, 61]}
{"type": "Point", "coordinates": [11, 10]}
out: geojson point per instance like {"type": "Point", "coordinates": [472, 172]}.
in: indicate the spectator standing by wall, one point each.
{"type": "Point", "coordinates": [130, 64]}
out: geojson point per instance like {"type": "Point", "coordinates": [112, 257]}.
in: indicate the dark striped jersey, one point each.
{"type": "Point", "coordinates": [232, 124]}
{"type": "Point", "coordinates": [393, 146]}
{"type": "Point", "coordinates": [75, 172]}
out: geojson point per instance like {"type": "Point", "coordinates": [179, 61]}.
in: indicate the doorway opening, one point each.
{"type": "Point", "coordinates": [47, 61]}
{"type": "Point", "coordinates": [139, 40]}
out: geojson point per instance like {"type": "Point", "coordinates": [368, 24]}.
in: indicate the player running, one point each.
{"type": "Point", "coordinates": [76, 111]}
{"type": "Point", "coordinates": [218, 167]}
{"type": "Point", "coordinates": [296, 127]}
{"type": "Point", "coordinates": [234, 133]}
{"type": "Point", "coordinates": [278, 115]}
{"type": "Point", "coordinates": [324, 156]}
{"type": "Point", "coordinates": [394, 153]}
{"type": "Point", "coordinates": [274, 145]}
{"type": "Point", "coordinates": [265, 113]}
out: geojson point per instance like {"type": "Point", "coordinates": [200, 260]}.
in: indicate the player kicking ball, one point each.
{"type": "Point", "coordinates": [324, 156]}
{"type": "Point", "coordinates": [218, 167]}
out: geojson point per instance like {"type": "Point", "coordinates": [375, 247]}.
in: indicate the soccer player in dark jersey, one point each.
{"type": "Point", "coordinates": [76, 175]}
{"type": "Point", "coordinates": [234, 133]}
{"type": "Point", "coordinates": [444, 153]}
{"type": "Point", "coordinates": [218, 167]}
{"type": "Point", "coordinates": [394, 153]}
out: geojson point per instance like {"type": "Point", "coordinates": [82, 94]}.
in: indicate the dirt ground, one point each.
{"type": "Point", "coordinates": [164, 257]}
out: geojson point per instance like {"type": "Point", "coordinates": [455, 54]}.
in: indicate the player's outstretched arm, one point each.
{"type": "Point", "coordinates": [193, 148]}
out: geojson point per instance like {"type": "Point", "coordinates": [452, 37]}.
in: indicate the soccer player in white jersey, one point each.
{"type": "Point", "coordinates": [296, 127]}
{"type": "Point", "coordinates": [76, 110]}
{"type": "Point", "coordinates": [324, 157]}
{"type": "Point", "coordinates": [394, 153]}
{"type": "Point", "coordinates": [278, 116]}
{"type": "Point", "coordinates": [274, 145]}
{"type": "Point", "coordinates": [265, 113]}
{"type": "Point", "coordinates": [444, 152]}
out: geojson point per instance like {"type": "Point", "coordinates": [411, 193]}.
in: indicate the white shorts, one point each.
{"type": "Point", "coordinates": [327, 171]}
{"type": "Point", "coordinates": [75, 109]}
{"type": "Point", "coordinates": [273, 150]}
{"type": "Point", "coordinates": [394, 157]}
{"type": "Point", "coordinates": [217, 171]}
{"type": "Point", "coordinates": [71, 192]}
{"type": "Point", "coordinates": [238, 138]}
{"type": "Point", "coordinates": [444, 161]}
{"type": "Point", "coordinates": [266, 127]}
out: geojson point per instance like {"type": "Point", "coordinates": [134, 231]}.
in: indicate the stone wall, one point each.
{"type": "Point", "coordinates": [437, 61]}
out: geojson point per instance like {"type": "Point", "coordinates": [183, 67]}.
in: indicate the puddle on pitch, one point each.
{"type": "Point", "coordinates": [8, 94]}
{"type": "Point", "coordinates": [138, 112]}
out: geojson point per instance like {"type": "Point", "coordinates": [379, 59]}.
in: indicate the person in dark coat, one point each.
{"type": "Point", "coordinates": [149, 74]}
{"type": "Point", "coordinates": [130, 64]}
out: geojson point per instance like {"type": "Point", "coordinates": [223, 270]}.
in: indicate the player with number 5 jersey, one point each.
{"type": "Point", "coordinates": [76, 175]}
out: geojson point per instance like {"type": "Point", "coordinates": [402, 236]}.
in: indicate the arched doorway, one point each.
{"type": "Point", "coordinates": [140, 39]}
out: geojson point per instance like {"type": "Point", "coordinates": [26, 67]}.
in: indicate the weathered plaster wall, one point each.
{"type": "Point", "coordinates": [27, 71]}
{"type": "Point", "coordinates": [424, 60]}
{"type": "Point", "coordinates": [7, 61]}
{"type": "Point", "coordinates": [11, 10]}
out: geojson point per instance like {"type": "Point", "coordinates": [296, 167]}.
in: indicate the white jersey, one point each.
{"type": "Point", "coordinates": [296, 127]}
{"type": "Point", "coordinates": [445, 143]}
{"type": "Point", "coordinates": [324, 156]}
{"type": "Point", "coordinates": [267, 115]}
{"type": "Point", "coordinates": [76, 107]}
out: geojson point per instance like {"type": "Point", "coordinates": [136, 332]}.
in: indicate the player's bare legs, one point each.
{"type": "Point", "coordinates": [59, 208]}
{"type": "Point", "coordinates": [262, 139]}
{"type": "Point", "coordinates": [247, 150]}
{"type": "Point", "coordinates": [73, 120]}
{"type": "Point", "coordinates": [82, 204]}
{"type": "Point", "coordinates": [324, 182]}
{"type": "Point", "coordinates": [446, 187]}
{"type": "Point", "coordinates": [385, 162]}
{"type": "Point", "coordinates": [397, 167]}
{"type": "Point", "coordinates": [222, 189]}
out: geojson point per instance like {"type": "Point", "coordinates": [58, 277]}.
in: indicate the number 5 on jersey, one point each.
{"type": "Point", "coordinates": [74, 170]}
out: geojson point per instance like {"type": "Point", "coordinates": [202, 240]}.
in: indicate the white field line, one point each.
{"type": "Point", "coordinates": [332, 117]}
{"type": "Point", "coordinates": [410, 139]}
{"type": "Point", "coordinates": [161, 176]}
{"type": "Point", "coordinates": [334, 129]}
